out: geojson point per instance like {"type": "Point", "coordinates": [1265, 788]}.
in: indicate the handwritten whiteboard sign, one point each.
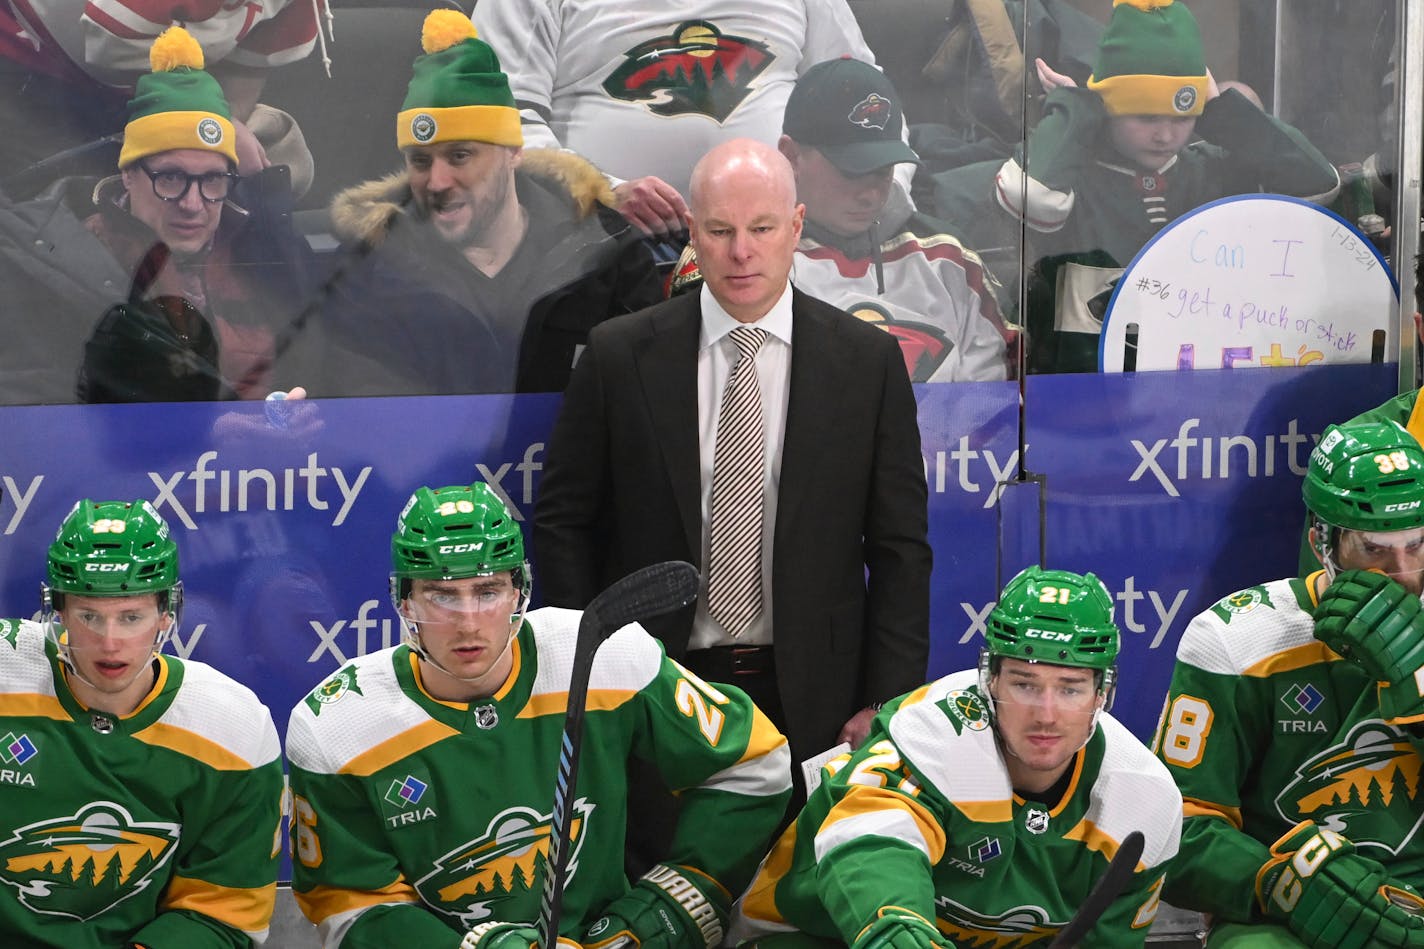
{"type": "Point", "coordinates": [1254, 280]}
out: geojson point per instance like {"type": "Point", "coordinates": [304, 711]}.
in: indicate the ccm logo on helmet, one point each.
{"type": "Point", "coordinates": [1402, 506]}
{"type": "Point", "coordinates": [105, 567]}
{"type": "Point", "coordinates": [1048, 635]}
{"type": "Point", "coordinates": [460, 548]}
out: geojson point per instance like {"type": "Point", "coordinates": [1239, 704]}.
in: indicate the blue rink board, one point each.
{"type": "Point", "coordinates": [1176, 488]}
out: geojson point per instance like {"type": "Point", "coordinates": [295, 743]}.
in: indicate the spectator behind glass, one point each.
{"type": "Point", "coordinates": [863, 248]}
{"type": "Point", "coordinates": [1112, 163]}
{"type": "Point", "coordinates": [175, 224]}
{"type": "Point", "coordinates": [644, 90]}
{"type": "Point", "coordinates": [67, 68]}
{"type": "Point", "coordinates": [481, 267]}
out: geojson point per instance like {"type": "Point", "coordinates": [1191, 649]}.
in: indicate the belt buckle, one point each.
{"type": "Point", "coordinates": [745, 660]}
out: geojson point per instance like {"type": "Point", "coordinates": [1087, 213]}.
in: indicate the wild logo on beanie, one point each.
{"type": "Point", "coordinates": [457, 92]}
{"type": "Point", "coordinates": [1150, 60]}
{"type": "Point", "coordinates": [177, 105]}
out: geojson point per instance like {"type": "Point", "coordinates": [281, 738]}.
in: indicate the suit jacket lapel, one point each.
{"type": "Point", "coordinates": [667, 368]}
{"type": "Point", "coordinates": [811, 409]}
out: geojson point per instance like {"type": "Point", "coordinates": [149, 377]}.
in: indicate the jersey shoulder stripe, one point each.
{"type": "Point", "coordinates": [216, 720]}
{"type": "Point", "coordinates": [356, 712]}
{"type": "Point", "coordinates": [1134, 791]}
{"type": "Point", "coordinates": [1252, 629]}
{"type": "Point", "coordinates": [946, 738]}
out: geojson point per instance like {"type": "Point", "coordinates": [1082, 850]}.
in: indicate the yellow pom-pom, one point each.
{"type": "Point", "coordinates": [444, 28]}
{"type": "Point", "coordinates": [175, 47]}
{"type": "Point", "coordinates": [1145, 5]}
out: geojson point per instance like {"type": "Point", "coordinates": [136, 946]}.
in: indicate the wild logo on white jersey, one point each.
{"type": "Point", "coordinates": [504, 865]}
{"type": "Point", "coordinates": [1020, 926]}
{"type": "Point", "coordinates": [1365, 787]}
{"type": "Point", "coordinates": [82, 865]}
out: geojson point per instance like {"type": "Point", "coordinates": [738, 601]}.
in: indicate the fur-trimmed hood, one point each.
{"type": "Point", "coordinates": [365, 212]}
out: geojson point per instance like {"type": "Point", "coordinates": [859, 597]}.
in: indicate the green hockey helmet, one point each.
{"type": "Point", "coordinates": [455, 532]}
{"type": "Point", "coordinates": [1054, 616]}
{"type": "Point", "coordinates": [1366, 476]}
{"type": "Point", "coordinates": [112, 548]}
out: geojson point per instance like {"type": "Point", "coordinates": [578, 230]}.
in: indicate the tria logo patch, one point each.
{"type": "Point", "coordinates": [1013, 927]}
{"type": "Point", "coordinates": [1302, 699]}
{"type": "Point", "coordinates": [698, 70]}
{"type": "Point", "coordinates": [17, 749]}
{"type": "Point", "coordinates": [333, 690]}
{"type": "Point", "coordinates": [86, 864]}
{"type": "Point", "coordinates": [985, 849]}
{"type": "Point", "coordinates": [406, 791]}
{"type": "Point", "coordinates": [1366, 787]}
{"type": "Point", "coordinates": [504, 866]}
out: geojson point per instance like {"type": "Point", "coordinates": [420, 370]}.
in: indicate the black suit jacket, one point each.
{"type": "Point", "coordinates": [851, 565]}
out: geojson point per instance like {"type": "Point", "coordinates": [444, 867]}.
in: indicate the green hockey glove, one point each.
{"type": "Point", "coordinates": [671, 907]}
{"type": "Point", "coordinates": [507, 936]}
{"type": "Point", "coordinates": [898, 928]}
{"type": "Point", "coordinates": [1374, 622]}
{"type": "Point", "coordinates": [1333, 898]}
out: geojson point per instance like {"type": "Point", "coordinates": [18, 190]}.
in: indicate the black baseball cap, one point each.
{"type": "Point", "coordinates": [848, 111]}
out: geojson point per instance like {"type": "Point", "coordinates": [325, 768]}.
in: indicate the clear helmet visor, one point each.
{"type": "Point", "coordinates": [79, 634]}
{"type": "Point", "coordinates": [420, 610]}
{"type": "Point", "coordinates": [1398, 555]}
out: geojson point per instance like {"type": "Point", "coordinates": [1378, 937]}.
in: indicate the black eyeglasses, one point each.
{"type": "Point", "coordinates": [170, 185]}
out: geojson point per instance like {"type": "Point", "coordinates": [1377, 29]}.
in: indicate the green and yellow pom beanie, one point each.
{"type": "Point", "coordinates": [458, 92]}
{"type": "Point", "coordinates": [1150, 60]}
{"type": "Point", "coordinates": [178, 105]}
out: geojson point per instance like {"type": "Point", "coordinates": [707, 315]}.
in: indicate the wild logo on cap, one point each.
{"type": "Point", "coordinates": [872, 112]}
{"type": "Point", "coordinates": [1185, 98]}
{"type": "Point", "coordinates": [423, 127]}
{"type": "Point", "coordinates": [210, 131]}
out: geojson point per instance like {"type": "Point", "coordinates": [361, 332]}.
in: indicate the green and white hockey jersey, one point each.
{"type": "Point", "coordinates": [1264, 727]}
{"type": "Point", "coordinates": [416, 819]}
{"type": "Point", "coordinates": [923, 816]}
{"type": "Point", "coordinates": [161, 828]}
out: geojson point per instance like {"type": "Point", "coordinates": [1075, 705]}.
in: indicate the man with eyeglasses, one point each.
{"type": "Point", "coordinates": [171, 225]}
{"type": "Point", "coordinates": [982, 807]}
{"type": "Point", "coordinates": [1294, 723]}
{"type": "Point", "coordinates": [140, 794]}
{"type": "Point", "coordinates": [423, 775]}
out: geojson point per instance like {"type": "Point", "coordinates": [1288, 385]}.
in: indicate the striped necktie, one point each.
{"type": "Point", "coordinates": [734, 596]}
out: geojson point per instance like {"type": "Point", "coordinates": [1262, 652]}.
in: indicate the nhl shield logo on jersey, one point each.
{"type": "Point", "coordinates": [965, 709]}
{"type": "Point", "coordinates": [1019, 926]}
{"type": "Point", "coordinates": [1242, 601]}
{"type": "Point", "coordinates": [698, 70]}
{"type": "Point", "coordinates": [924, 347]}
{"type": "Point", "coordinates": [872, 112]}
{"type": "Point", "coordinates": [83, 865]}
{"type": "Point", "coordinates": [1365, 787]}
{"type": "Point", "coordinates": [333, 690]}
{"type": "Point", "coordinates": [504, 866]}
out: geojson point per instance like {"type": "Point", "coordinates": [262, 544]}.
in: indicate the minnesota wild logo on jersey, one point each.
{"type": "Point", "coordinates": [1020, 926]}
{"type": "Point", "coordinates": [333, 690]}
{"type": "Point", "coordinates": [9, 632]}
{"type": "Point", "coordinates": [505, 864]}
{"type": "Point", "coordinates": [1365, 786]}
{"type": "Point", "coordinates": [697, 69]}
{"type": "Point", "coordinates": [83, 865]}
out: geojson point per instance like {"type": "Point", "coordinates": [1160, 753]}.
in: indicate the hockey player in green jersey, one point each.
{"type": "Point", "coordinates": [982, 807]}
{"type": "Point", "coordinates": [1292, 725]}
{"type": "Point", "coordinates": [423, 774]}
{"type": "Point", "coordinates": [140, 794]}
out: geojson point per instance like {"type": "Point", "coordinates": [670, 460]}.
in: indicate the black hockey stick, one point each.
{"type": "Point", "coordinates": [1108, 888]}
{"type": "Point", "coordinates": [651, 591]}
